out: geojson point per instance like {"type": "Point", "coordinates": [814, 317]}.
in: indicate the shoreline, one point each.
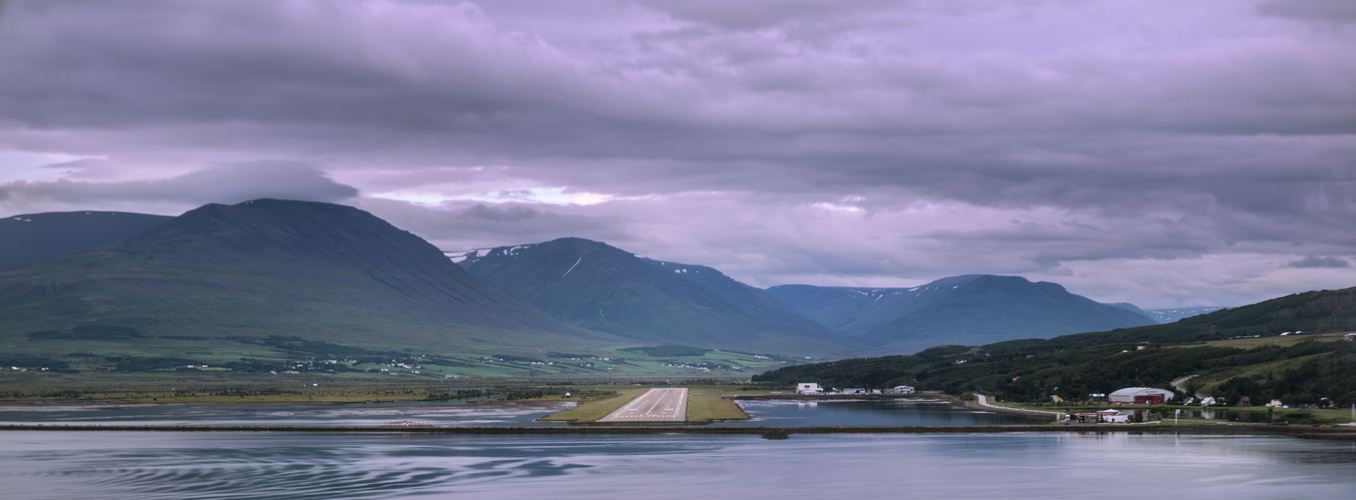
{"type": "Point", "coordinates": [1324, 433]}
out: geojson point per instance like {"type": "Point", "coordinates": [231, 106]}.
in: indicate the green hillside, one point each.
{"type": "Point", "coordinates": [599, 287]}
{"type": "Point", "coordinates": [29, 237]}
{"type": "Point", "coordinates": [1231, 353]}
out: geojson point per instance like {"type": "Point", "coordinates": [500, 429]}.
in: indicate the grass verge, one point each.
{"type": "Point", "coordinates": [589, 411]}
{"type": "Point", "coordinates": [706, 408]}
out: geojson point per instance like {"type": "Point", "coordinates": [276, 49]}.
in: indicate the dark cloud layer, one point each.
{"type": "Point", "coordinates": [1314, 262]}
{"type": "Point", "coordinates": [1164, 153]}
{"type": "Point", "coordinates": [1316, 11]}
{"type": "Point", "coordinates": [232, 184]}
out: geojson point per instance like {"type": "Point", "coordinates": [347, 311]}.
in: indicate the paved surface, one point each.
{"type": "Point", "coordinates": [656, 405]}
{"type": "Point", "coordinates": [984, 401]}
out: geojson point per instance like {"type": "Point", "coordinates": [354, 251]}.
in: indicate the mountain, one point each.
{"type": "Point", "coordinates": [28, 237]}
{"type": "Point", "coordinates": [1161, 316]}
{"type": "Point", "coordinates": [600, 287]}
{"type": "Point", "coordinates": [970, 309]}
{"type": "Point", "coordinates": [834, 307]}
{"type": "Point", "coordinates": [1171, 315]}
{"type": "Point", "coordinates": [271, 267]}
{"type": "Point", "coordinates": [1230, 353]}
{"type": "Point", "coordinates": [1134, 309]}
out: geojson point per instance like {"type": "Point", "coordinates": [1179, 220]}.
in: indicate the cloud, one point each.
{"type": "Point", "coordinates": [464, 226]}
{"type": "Point", "coordinates": [1315, 262]}
{"type": "Point", "coordinates": [861, 142]}
{"type": "Point", "coordinates": [232, 184]}
{"type": "Point", "coordinates": [1316, 11]}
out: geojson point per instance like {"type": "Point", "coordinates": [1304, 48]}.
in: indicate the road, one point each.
{"type": "Point", "coordinates": [1177, 384]}
{"type": "Point", "coordinates": [656, 405]}
{"type": "Point", "coordinates": [984, 401]}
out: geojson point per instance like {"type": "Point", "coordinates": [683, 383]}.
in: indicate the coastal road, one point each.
{"type": "Point", "coordinates": [656, 405]}
{"type": "Point", "coordinates": [984, 401]}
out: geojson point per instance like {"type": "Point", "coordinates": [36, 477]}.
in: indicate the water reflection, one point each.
{"type": "Point", "coordinates": [300, 466]}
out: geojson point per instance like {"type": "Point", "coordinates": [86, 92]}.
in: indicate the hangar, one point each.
{"type": "Point", "coordinates": [1139, 396]}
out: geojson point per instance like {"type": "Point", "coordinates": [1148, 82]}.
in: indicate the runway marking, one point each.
{"type": "Point", "coordinates": [671, 402]}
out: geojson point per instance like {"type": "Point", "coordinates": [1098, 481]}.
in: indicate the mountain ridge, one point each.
{"type": "Point", "coordinates": [29, 237]}
{"type": "Point", "coordinates": [965, 309]}
{"type": "Point", "coordinates": [266, 267]}
{"type": "Point", "coordinates": [597, 286]}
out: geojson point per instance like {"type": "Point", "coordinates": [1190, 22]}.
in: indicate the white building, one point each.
{"type": "Point", "coordinates": [1113, 417]}
{"type": "Point", "coordinates": [809, 388]}
{"type": "Point", "coordinates": [854, 390]}
{"type": "Point", "coordinates": [903, 389]}
{"type": "Point", "coordinates": [1140, 396]}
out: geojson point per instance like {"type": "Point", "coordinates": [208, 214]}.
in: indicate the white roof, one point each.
{"type": "Point", "coordinates": [1131, 391]}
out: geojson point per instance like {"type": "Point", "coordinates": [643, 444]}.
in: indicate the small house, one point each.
{"type": "Point", "coordinates": [903, 389]}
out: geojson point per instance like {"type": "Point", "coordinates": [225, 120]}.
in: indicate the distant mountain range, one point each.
{"type": "Point", "coordinates": [333, 273]}
{"type": "Point", "coordinates": [270, 267]}
{"type": "Point", "coordinates": [1166, 315]}
{"type": "Point", "coordinates": [600, 287]}
{"type": "Point", "coordinates": [28, 237]}
{"type": "Point", "coordinates": [970, 310]}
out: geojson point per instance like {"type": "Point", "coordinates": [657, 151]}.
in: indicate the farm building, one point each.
{"type": "Point", "coordinates": [1140, 396]}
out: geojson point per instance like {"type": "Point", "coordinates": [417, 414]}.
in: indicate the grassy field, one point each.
{"type": "Point", "coordinates": [1286, 341]}
{"type": "Point", "coordinates": [77, 362]}
{"type": "Point", "coordinates": [589, 411]}
{"type": "Point", "coordinates": [705, 404]}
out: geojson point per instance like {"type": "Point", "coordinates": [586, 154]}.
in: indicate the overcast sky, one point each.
{"type": "Point", "coordinates": [1165, 153]}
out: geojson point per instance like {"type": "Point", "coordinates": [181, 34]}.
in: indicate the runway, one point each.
{"type": "Point", "coordinates": [656, 405]}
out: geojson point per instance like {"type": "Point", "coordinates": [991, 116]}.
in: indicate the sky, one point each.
{"type": "Point", "coordinates": [1158, 152]}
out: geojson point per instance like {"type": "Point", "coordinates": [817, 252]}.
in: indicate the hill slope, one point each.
{"type": "Point", "coordinates": [600, 287]}
{"type": "Point", "coordinates": [971, 309]}
{"type": "Point", "coordinates": [28, 237]}
{"type": "Point", "coordinates": [269, 267]}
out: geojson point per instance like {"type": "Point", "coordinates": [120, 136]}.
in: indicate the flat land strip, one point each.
{"type": "Point", "coordinates": [655, 405]}
{"type": "Point", "coordinates": [707, 404]}
{"type": "Point", "coordinates": [593, 410]}
{"type": "Point", "coordinates": [1304, 432]}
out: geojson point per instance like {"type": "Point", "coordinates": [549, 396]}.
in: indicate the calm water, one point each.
{"type": "Point", "coordinates": [880, 412]}
{"type": "Point", "coordinates": [220, 465]}
{"type": "Point", "coordinates": [458, 413]}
